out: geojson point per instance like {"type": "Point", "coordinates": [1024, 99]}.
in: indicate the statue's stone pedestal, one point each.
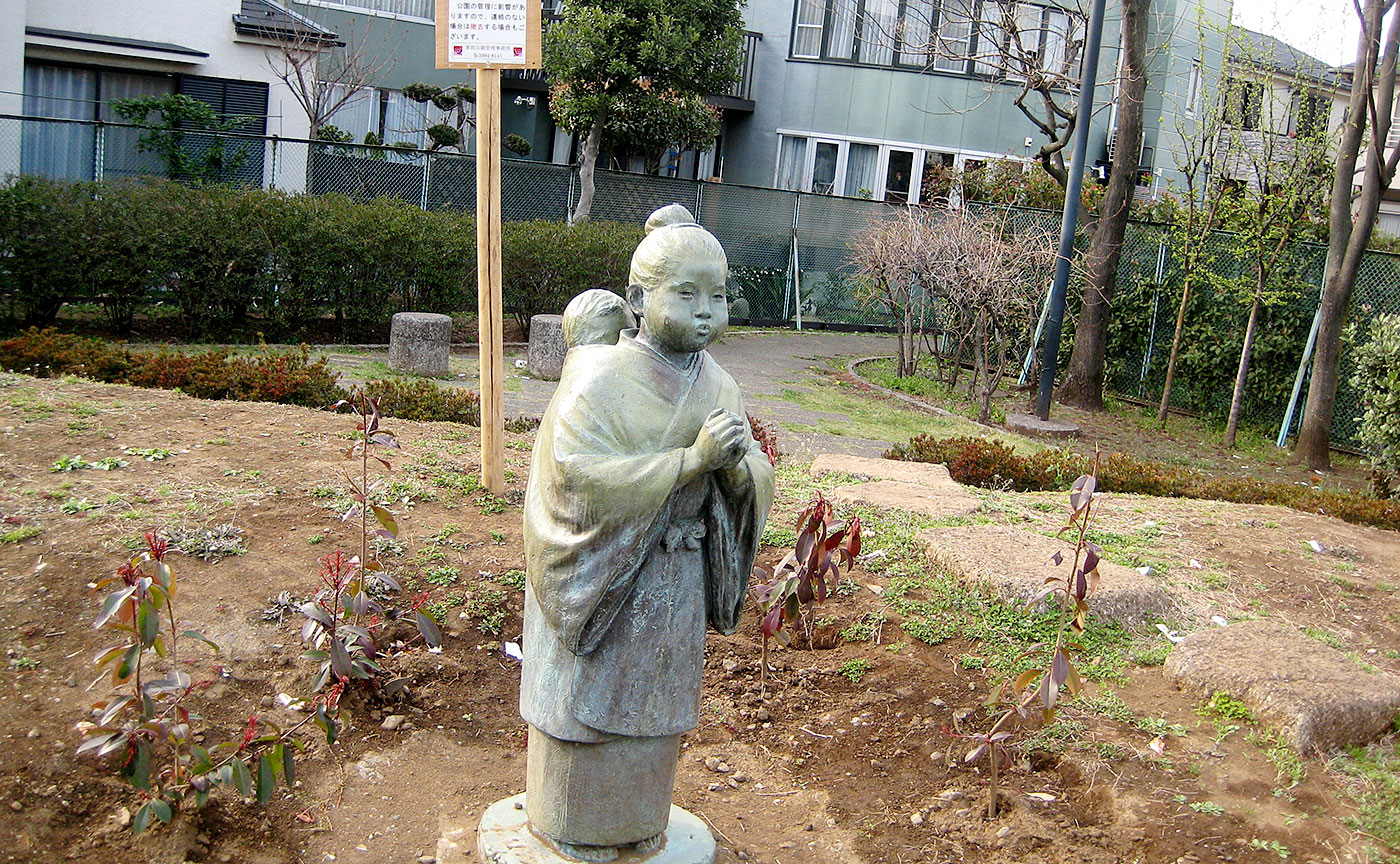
{"type": "Point", "coordinates": [504, 837]}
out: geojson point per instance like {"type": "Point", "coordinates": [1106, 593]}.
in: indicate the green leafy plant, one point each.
{"type": "Point", "coordinates": [150, 454]}
{"type": "Point", "coordinates": [344, 618]}
{"type": "Point", "coordinates": [854, 670]}
{"type": "Point", "coordinates": [172, 134]}
{"type": "Point", "coordinates": [148, 726]}
{"type": "Point", "coordinates": [1378, 380]}
{"type": "Point", "coordinates": [1039, 690]}
{"type": "Point", "coordinates": [824, 545]}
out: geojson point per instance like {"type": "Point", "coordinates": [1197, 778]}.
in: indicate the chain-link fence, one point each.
{"type": "Point", "coordinates": [789, 252]}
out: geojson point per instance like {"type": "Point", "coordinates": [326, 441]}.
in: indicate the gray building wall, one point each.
{"type": "Point", "coordinates": [945, 112]}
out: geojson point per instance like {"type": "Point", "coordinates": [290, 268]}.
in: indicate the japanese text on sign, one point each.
{"type": "Point", "coordinates": [486, 31]}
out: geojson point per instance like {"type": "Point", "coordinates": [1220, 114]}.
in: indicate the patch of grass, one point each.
{"type": "Point", "coordinates": [865, 628]}
{"type": "Point", "coordinates": [855, 670]}
{"type": "Point", "coordinates": [220, 441]}
{"type": "Point", "coordinates": [876, 419]}
{"type": "Point", "coordinates": [29, 405]}
{"type": "Point", "coordinates": [1323, 636]}
{"type": "Point", "coordinates": [20, 534]}
{"type": "Point", "coordinates": [1154, 654]}
{"type": "Point", "coordinates": [316, 539]}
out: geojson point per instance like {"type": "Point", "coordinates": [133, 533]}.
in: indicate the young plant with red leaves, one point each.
{"type": "Point", "coordinates": [1038, 691]}
{"type": "Point", "coordinates": [824, 545]}
{"type": "Point", "coordinates": [346, 615]}
{"type": "Point", "coordinates": [147, 726]}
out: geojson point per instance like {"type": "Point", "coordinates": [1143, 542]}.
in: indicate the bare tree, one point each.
{"type": "Point", "coordinates": [982, 279]}
{"type": "Point", "coordinates": [1353, 214]}
{"type": "Point", "coordinates": [325, 71]}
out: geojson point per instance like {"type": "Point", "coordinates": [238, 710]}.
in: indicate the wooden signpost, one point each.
{"type": "Point", "coordinates": [488, 36]}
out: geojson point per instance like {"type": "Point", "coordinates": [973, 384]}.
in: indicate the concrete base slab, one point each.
{"type": "Point", "coordinates": [1015, 563]}
{"type": "Point", "coordinates": [1319, 699]}
{"type": "Point", "coordinates": [1033, 426]}
{"type": "Point", "coordinates": [505, 837]}
{"type": "Point", "coordinates": [939, 502]}
{"type": "Point", "coordinates": [923, 473]}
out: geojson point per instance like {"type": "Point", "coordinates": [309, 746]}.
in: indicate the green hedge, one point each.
{"type": "Point", "coordinates": [235, 262]}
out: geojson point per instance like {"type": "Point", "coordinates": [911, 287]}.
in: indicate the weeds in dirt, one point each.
{"type": "Point", "coordinates": [1371, 778]}
{"type": "Point", "coordinates": [1273, 846]}
{"type": "Point", "coordinates": [855, 670]}
{"type": "Point", "coordinates": [487, 606]}
{"type": "Point", "coordinates": [1281, 755]}
{"type": "Point", "coordinates": [212, 544]}
{"type": "Point", "coordinates": [77, 463]}
{"type": "Point", "coordinates": [150, 454]}
{"type": "Point", "coordinates": [149, 728]}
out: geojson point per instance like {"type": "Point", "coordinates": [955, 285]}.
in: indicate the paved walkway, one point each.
{"type": "Point", "coordinates": [765, 364]}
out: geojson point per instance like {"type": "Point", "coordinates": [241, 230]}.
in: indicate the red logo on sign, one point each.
{"type": "Point", "coordinates": [456, 49]}
{"type": "Point", "coordinates": [519, 51]}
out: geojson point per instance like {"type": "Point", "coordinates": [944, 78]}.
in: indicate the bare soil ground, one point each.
{"type": "Point", "coordinates": [850, 754]}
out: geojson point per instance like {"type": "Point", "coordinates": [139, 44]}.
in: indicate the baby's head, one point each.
{"type": "Point", "coordinates": [677, 282]}
{"type": "Point", "coordinates": [596, 317]}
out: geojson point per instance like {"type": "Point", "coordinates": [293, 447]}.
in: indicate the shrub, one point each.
{"type": "Point", "coordinates": [545, 264]}
{"type": "Point", "coordinates": [766, 434]}
{"type": "Point", "coordinates": [993, 465]}
{"type": "Point", "coordinates": [290, 376]}
{"type": "Point", "coordinates": [419, 399]}
{"type": "Point", "coordinates": [43, 247]}
{"type": "Point", "coordinates": [1378, 378]}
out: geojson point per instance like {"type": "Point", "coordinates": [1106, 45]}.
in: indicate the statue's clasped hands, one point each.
{"type": "Point", "coordinates": [722, 441]}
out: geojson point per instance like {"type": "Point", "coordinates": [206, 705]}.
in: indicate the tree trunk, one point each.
{"type": "Point", "coordinates": [587, 162]}
{"type": "Point", "coordinates": [1083, 385]}
{"type": "Point", "coordinates": [1373, 88]}
{"type": "Point", "coordinates": [1176, 347]}
{"type": "Point", "coordinates": [1237, 400]}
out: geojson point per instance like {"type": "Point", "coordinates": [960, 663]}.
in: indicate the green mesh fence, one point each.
{"type": "Point", "coordinates": [790, 252]}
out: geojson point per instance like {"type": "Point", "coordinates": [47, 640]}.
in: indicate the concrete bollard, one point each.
{"type": "Point", "coordinates": [420, 343]}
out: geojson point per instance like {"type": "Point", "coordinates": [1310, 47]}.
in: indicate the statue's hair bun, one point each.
{"type": "Point", "coordinates": [671, 214]}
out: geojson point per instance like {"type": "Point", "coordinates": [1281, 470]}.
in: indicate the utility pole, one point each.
{"type": "Point", "coordinates": [1071, 212]}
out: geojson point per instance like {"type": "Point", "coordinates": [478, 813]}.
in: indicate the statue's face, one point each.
{"type": "Point", "coordinates": [689, 309]}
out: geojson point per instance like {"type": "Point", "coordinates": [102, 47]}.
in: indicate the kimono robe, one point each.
{"type": "Point", "coordinates": [625, 565]}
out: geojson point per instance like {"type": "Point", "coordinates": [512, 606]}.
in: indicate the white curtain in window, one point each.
{"type": "Point", "coordinates": [404, 119]}
{"type": "Point", "coordinates": [954, 35]}
{"type": "Point", "coordinates": [792, 163]}
{"type": "Point", "coordinates": [1056, 42]}
{"type": "Point", "coordinates": [358, 115]}
{"type": "Point", "coordinates": [63, 150]}
{"type": "Point", "coordinates": [807, 36]}
{"type": "Point", "coordinates": [877, 31]}
{"type": "Point", "coordinates": [916, 33]}
{"type": "Point", "coordinates": [841, 37]}
{"type": "Point", "coordinates": [120, 154]}
{"type": "Point", "coordinates": [991, 39]}
{"type": "Point", "coordinates": [861, 164]}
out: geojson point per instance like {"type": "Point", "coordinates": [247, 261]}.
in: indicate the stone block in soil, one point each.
{"type": "Point", "coordinates": [1015, 564]}
{"type": "Point", "coordinates": [923, 473]}
{"type": "Point", "coordinates": [938, 502]}
{"type": "Point", "coordinates": [545, 355]}
{"type": "Point", "coordinates": [1313, 693]}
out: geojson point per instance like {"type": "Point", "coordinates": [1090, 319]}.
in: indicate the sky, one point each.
{"type": "Point", "coordinates": [1326, 29]}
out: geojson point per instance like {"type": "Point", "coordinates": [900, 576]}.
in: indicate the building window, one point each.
{"type": "Point", "coordinates": [1308, 114]}
{"type": "Point", "coordinates": [421, 9]}
{"type": "Point", "coordinates": [807, 32]}
{"type": "Point", "coordinates": [893, 173]}
{"type": "Point", "coordinates": [1244, 101]}
{"type": "Point", "coordinates": [1193, 90]}
{"type": "Point", "coordinates": [996, 38]}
